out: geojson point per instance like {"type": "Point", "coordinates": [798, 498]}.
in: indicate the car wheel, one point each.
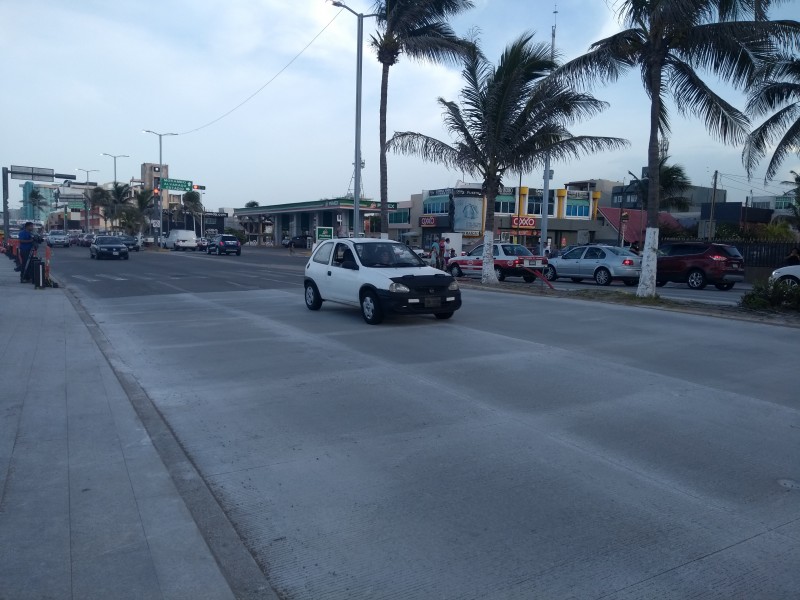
{"type": "Point", "coordinates": [550, 273]}
{"type": "Point", "coordinates": [91, 255]}
{"type": "Point", "coordinates": [127, 256]}
{"type": "Point", "coordinates": [724, 286]}
{"type": "Point", "coordinates": [370, 309]}
{"type": "Point", "coordinates": [790, 280]}
{"type": "Point", "coordinates": [313, 301]}
{"type": "Point", "coordinates": [629, 282]}
{"type": "Point", "coordinates": [696, 279]}
{"type": "Point", "coordinates": [602, 277]}
{"type": "Point", "coordinates": [528, 277]}
{"type": "Point", "coordinates": [218, 252]}
{"type": "Point", "coordinates": [576, 279]}
{"type": "Point", "coordinates": [238, 253]}
{"type": "Point", "coordinates": [499, 273]}
{"type": "Point", "coordinates": [444, 315]}
{"type": "Point", "coordinates": [456, 271]}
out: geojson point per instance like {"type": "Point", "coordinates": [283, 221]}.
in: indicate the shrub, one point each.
{"type": "Point", "coordinates": [772, 294]}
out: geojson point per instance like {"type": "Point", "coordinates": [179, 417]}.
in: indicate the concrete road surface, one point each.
{"type": "Point", "coordinates": [528, 448]}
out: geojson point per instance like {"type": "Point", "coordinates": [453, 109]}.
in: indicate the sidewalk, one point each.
{"type": "Point", "coordinates": [87, 507]}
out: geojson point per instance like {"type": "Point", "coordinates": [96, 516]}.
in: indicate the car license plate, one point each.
{"type": "Point", "coordinates": [115, 253]}
{"type": "Point", "coordinates": [433, 302]}
{"type": "Point", "coordinates": [734, 265]}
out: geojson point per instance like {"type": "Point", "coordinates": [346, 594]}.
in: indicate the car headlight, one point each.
{"type": "Point", "coordinates": [399, 288]}
{"type": "Point", "coordinates": [453, 286]}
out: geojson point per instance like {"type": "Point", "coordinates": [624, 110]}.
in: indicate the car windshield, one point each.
{"type": "Point", "coordinates": [515, 250]}
{"type": "Point", "coordinates": [620, 251]}
{"type": "Point", "coordinates": [387, 255]}
{"type": "Point", "coordinates": [108, 240]}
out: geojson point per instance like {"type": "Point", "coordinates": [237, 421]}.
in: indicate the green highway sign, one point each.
{"type": "Point", "coordinates": [181, 185]}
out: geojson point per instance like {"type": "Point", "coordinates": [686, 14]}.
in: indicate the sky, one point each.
{"type": "Point", "coordinates": [262, 93]}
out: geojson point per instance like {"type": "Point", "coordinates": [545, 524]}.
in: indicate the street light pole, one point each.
{"type": "Point", "coordinates": [86, 201]}
{"type": "Point", "coordinates": [357, 162]}
{"type": "Point", "coordinates": [115, 157]}
{"type": "Point", "coordinates": [160, 179]}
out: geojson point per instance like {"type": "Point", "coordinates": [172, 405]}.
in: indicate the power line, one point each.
{"type": "Point", "coordinates": [273, 78]}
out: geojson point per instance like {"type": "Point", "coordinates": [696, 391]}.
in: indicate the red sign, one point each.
{"type": "Point", "coordinates": [523, 222]}
{"type": "Point", "coordinates": [427, 221]}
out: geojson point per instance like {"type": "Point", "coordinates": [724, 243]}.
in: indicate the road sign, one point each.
{"type": "Point", "coordinates": [182, 185]}
{"type": "Point", "coordinates": [31, 173]}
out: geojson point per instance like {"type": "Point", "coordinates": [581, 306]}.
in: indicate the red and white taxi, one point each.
{"type": "Point", "coordinates": [510, 260]}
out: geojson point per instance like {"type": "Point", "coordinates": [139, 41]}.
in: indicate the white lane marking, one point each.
{"type": "Point", "coordinates": [110, 277]}
{"type": "Point", "coordinates": [82, 278]}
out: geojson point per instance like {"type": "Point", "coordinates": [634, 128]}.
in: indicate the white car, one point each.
{"type": "Point", "coordinates": [789, 275]}
{"type": "Point", "coordinates": [379, 276]}
{"type": "Point", "coordinates": [57, 238]}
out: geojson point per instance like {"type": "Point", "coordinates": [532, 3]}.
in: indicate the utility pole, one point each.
{"type": "Point", "coordinates": [546, 184]}
{"type": "Point", "coordinates": [711, 228]}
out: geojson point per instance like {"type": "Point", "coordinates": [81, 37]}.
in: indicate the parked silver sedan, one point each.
{"type": "Point", "coordinates": [601, 263]}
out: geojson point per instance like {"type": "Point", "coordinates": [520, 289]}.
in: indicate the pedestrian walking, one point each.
{"type": "Point", "coordinates": [435, 252]}
{"type": "Point", "coordinates": [290, 245]}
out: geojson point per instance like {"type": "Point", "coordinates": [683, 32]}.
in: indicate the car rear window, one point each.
{"type": "Point", "coordinates": [731, 251]}
{"type": "Point", "coordinates": [227, 238]}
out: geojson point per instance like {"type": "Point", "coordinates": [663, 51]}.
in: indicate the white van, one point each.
{"type": "Point", "coordinates": [181, 239]}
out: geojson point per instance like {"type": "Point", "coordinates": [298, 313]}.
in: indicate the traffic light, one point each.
{"type": "Point", "coordinates": [198, 187]}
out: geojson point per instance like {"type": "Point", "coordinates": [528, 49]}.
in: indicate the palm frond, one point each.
{"type": "Point", "coordinates": [425, 147]}
{"type": "Point", "coordinates": [692, 95]}
{"type": "Point", "coordinates": [763, 136]}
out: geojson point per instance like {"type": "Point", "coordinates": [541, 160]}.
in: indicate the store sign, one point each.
{"type": "Point", "coordinates": [428, 221]}
{"type": "Point", "coordinates": [523, 222]}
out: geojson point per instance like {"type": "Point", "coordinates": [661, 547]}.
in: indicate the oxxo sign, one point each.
{"type": "Point", "coordinates": [523, 222]}
{"type": "Point", "coordinates": [427, 221]}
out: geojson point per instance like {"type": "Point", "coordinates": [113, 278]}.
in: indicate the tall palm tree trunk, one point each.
{"type": "Point", "coordinates": [488, 276]}
{"type": "Point", "coordinates": [647, 280]}
{"type": "Point", "coordinates": [383, 167]}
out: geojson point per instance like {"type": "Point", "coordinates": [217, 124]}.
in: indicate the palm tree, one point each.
{"type": "Point", "coordinates": [673, 181]}
{"type": "Point", "coordinates": [101, 198]}
{"type": "Point", "coordinates": [38, 203]}
{"type": "Point", "coordinates": [140, 208]}
{"type": "Point", "coordinates": [117, 200]}
{"type": "Point", "coordinates": [795, 205]}
{"type": "Point", "coordinates": [668, 40]}
{"type": "Point", "coordinates": [779, 91]}
{"type": "Point", "coordinates": [419, 29]}
{"type": "Point", "coordinates": [192, 205]}
{"type": "Point", "coordinates": [510, 117]}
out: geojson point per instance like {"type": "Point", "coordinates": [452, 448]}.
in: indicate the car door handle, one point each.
{"type": "Point", "coordinates": [329, 273]}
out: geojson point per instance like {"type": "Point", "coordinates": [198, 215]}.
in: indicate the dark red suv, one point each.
{"type": "Point", "coordinates": [699, 263]}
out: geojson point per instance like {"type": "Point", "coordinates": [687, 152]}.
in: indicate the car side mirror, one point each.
{"type": "Point", "coordinates": [349, 264]}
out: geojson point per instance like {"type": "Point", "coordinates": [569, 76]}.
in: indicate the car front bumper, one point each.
{"type": "Point", "coordinates": [417, 304]}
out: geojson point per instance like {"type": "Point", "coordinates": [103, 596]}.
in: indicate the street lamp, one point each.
{"type": "Point", "coordinates": [160, 178]}
{"type": "Point", "coordinates": [115, 157]}
{"type": "Point", "coordinates": [86, 201]}
{"type": "Point", "coordinates": [357, 161]}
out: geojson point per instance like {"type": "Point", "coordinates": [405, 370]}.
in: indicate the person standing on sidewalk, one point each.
{"type": "Point", "coordinates": [25, 248]}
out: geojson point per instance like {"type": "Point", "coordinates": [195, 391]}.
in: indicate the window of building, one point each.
{"type": "Point", "coordinates": [505, 204]}
{"type": "Point", "coordinates": [577, 208]}
{"type": "Point", "coordinates": [435, 206]}
{"type": "Point", "coordinates": [535, 206]}
{"type": "Point", "coordinates": [783, 203]}
{"type": "Point", "coordinates": [401, 216]}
